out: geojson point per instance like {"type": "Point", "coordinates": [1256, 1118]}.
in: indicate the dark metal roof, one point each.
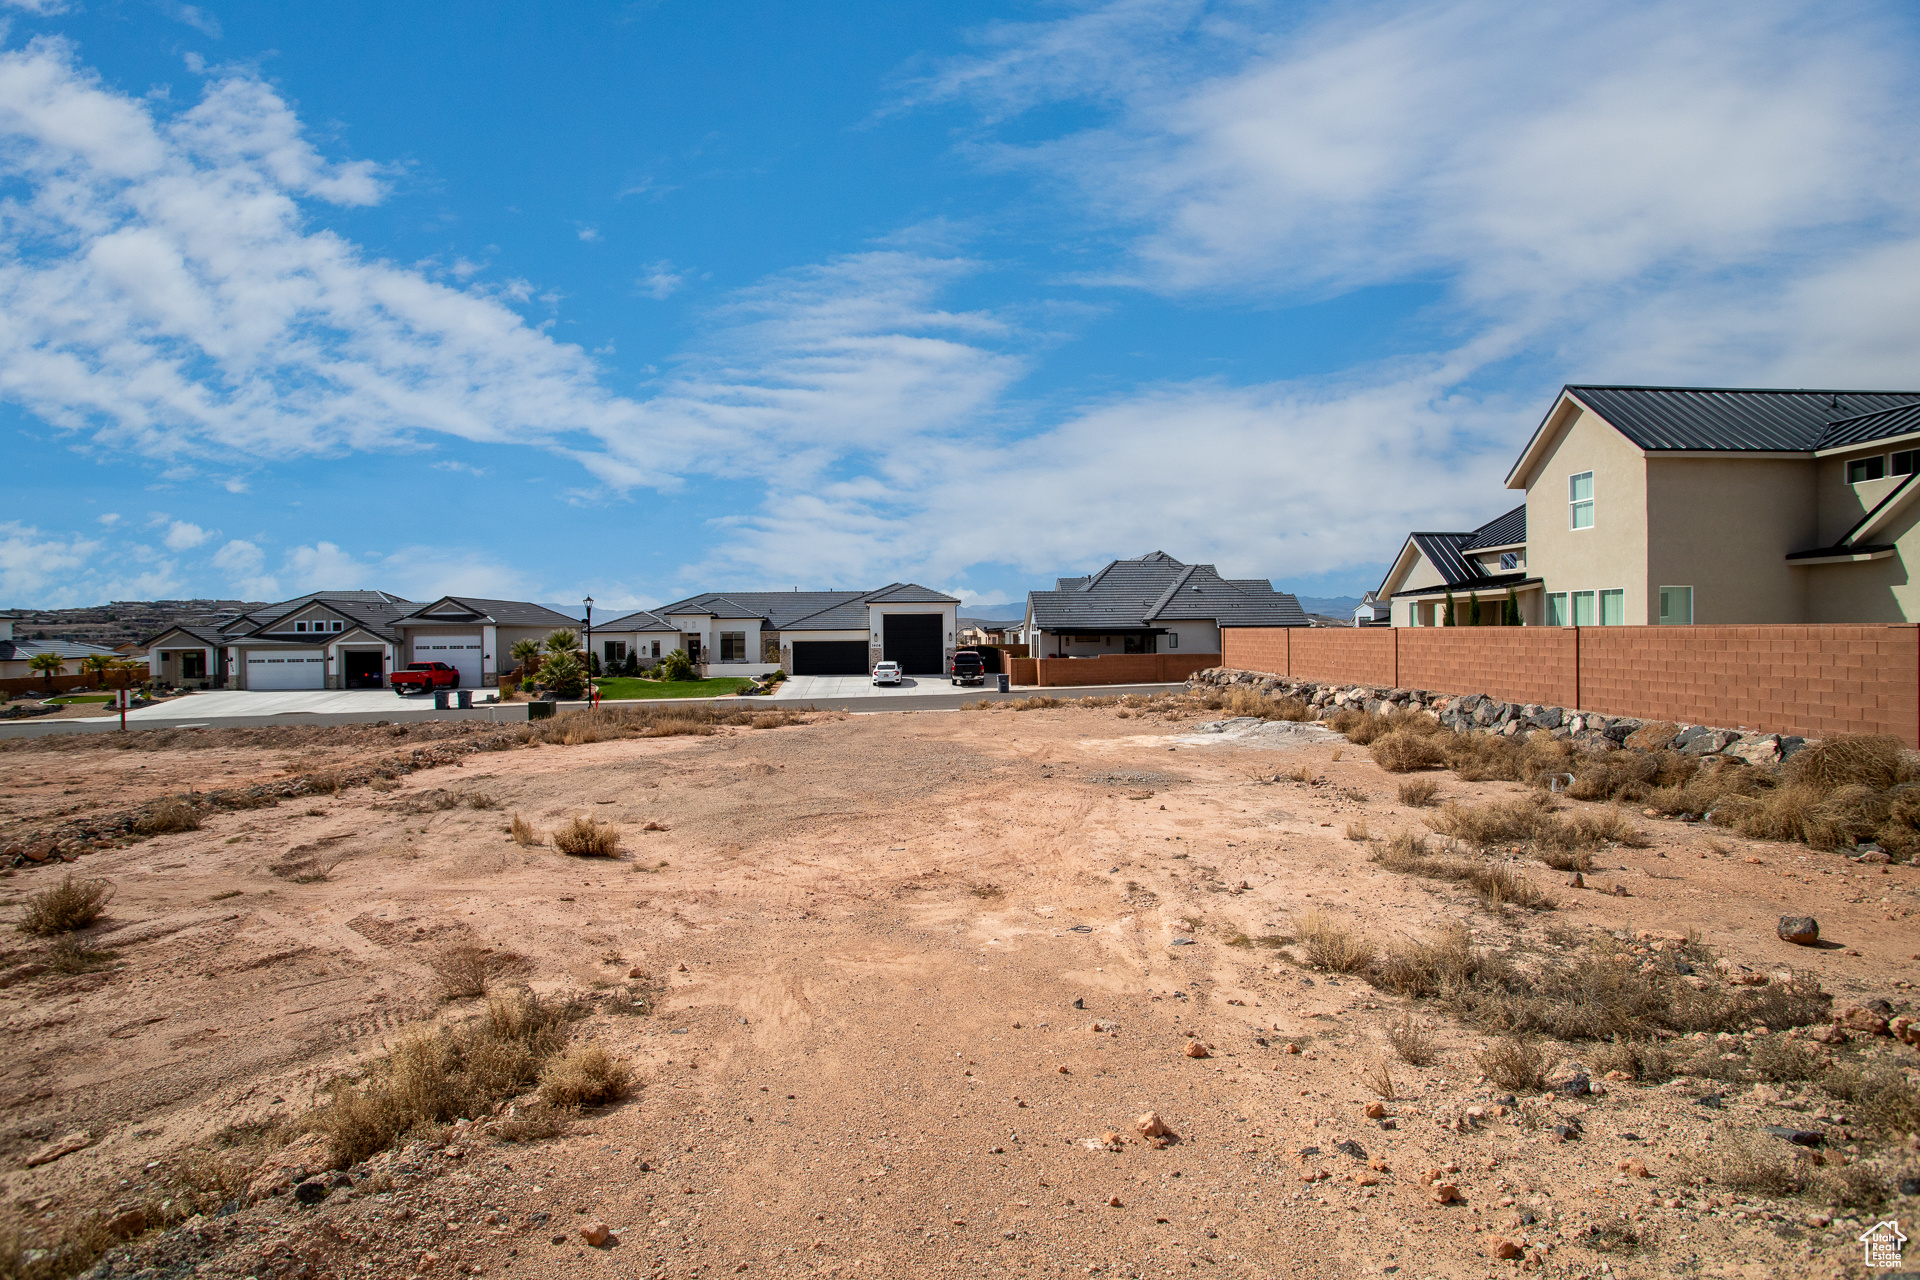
{"type": "Point", "coordinates": [1731, 418]}
{"type": "Point", "coordinates": [1501, 531]}
{"type": "Point", "coordinates": [1442, 550]}
{"type": "Point", "coordinates": [1496, 582]}
{"type": "Point", "coordinates": [1904, 420]}
{"type": "Point", "coordinates": [1133, 594]}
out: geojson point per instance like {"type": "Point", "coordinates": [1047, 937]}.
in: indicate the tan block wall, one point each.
{"type": "Point", "coordinates": [1810, 680]}
{"type": "Point", "coordinates": [1118, 668]}
{"type": "Point", "coordinates": [1513, 664]}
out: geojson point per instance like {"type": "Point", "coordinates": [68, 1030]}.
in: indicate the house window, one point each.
{"type": "Point", "coordinates": [1509, 560]}
{"type": "Point", "coordinates": [193, 665]}
{"type": "Point", "coordinates": [299, 626]}
{"type": "Point", "coordinates": [1613, 608]}
{"type": "Point", "coordinates": [1557, 609]}
{"type": "Point", "coordinates": [615, 650]}
{"type": "Point", "coordinates": [338, 625]}
{"type": "Point", "coordinates": [1173, 640]}
{"type": "Point", "coordinates": [1906, 462]}
{"type": "Point", "coordinates": [1861, 470]}
{"type": "Point", "coordinates": [1676, 606]}
{"type": "Point", "coordinates": [656, 648]}
{"type": "Point", "coordinates": [1580, 499]}
{"type": "Point", "coordinates": [1584, 614]}
{"type": "Point", "coordinates": [733, 646]}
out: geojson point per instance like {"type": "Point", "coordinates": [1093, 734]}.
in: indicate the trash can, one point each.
{"type": "Point", "coordinates": [464, 699]}
{"type": "Point", "coordinates": [539, 711]}
{"type": "Point", "coordinates": [440, 699]}
{"type": "Point", "coordinates": [1005, 685]}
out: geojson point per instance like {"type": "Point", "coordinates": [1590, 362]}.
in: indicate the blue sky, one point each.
{"type": "Point", "coordinates": [638, 299]}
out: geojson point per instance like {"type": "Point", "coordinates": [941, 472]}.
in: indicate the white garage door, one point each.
{"type": "Point", "coordinates": [287, 669]}
{"type": "Point", "coordinates": [456, 651]}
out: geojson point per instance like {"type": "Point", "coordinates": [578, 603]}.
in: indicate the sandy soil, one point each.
{"type": "Point", "coordinates": [906, 967]}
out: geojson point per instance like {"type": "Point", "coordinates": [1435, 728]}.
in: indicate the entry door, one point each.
{"type": "Point", "coordinates": [462, 652]}
{"type": "Point", "coordinates": [287, 669]}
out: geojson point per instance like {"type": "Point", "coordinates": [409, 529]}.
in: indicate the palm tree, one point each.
{"type": "Point", "coordinates": [526, 652]}
{"type": "Point", "coordinates": [565, 640]}
{"type": "Point", "coordinates": [98, 665]}
{"type": "Point", "coordinates": [47, 664]}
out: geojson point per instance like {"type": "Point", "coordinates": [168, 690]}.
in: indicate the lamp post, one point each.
{"type": "Point", "coordinates": [589, 625]}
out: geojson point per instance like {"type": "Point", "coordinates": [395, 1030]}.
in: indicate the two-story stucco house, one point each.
{"type": "Point", "coordinates": [1702, 505]}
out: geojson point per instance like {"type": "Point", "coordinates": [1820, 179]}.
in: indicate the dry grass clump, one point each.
{"type": "Point", "coordinates": [439, 1076]}
{"type": "Point", "coordinates": [582, 1077]}
{"type": "Point", "coordinates": [1328, 946]}
{"type": "Point", "coordinates": [1566, 843]}
{"type": "Point", "coordinates": [1866, 760]}
{"type": "Point", "coordinates": [1757, 1163]}
{"type": "Point", "coordinates": [533, 1123]}
{"type": "Point", "coordinates": [1777, 1058]}
{"type": "Point", "coordinates": [664, 721]}
{"type": "Point", "coordinates": [1037, 702]}
{"type": "Point", "coordinates": [1419, 793]}
{"type": "Point", "coordinates": [304, 868]}
{"type": "Point", "coordinates": [1413, 1042]}
{"type": "Point", "coordinates": [165, 816]}
{"type": "Point", "coordinates": [1498, 883]}
{"type": "Point", "coordinates": [1243, 701]}
{"type": "Point", "coordinates": [1357, 830]}
{"type": "Point", "coordinates": [1516, 1064]}
{"type": "Point", "coordinates": [524, 833]}
{"type": "Point", "coordinates": [61, 908]}
{"type": "Point", "coordinates": [69, 955]}
{"type": "Point", "coordinates": [1879, 1096]}
{"type": "Point", "coordinates": [586, 838]}
{"type": "Point", "coordinates": [465, 972]}
{"type": "Point", "coordinates": [1406, 752]}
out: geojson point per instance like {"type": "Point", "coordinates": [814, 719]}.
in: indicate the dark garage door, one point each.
{"type": "Point", "coordinates": [829, 658]}
{"type": "Point", "coordinates": [914, 641]}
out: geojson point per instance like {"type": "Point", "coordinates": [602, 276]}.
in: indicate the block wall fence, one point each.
{"type": "Point", "coordinates": [1112, 668]}
{"type": "Point", "coordinates": [1815, 681]}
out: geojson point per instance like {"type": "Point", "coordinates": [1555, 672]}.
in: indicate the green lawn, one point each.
{"type": "Point", "coordinates": [618, 687]}
{"type": "Point", "coordinates": [81, 697]}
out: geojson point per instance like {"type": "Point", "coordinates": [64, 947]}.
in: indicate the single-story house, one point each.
{"type": "Point", "coordinates": [475, 635]}
{"type": "Point", "coordinates": [802, 632]}
{"type": "Point", "coordinates": [14, 654]}
{"type": "Point", "coordinates": [322, 640]}
{"type": "Point", "coordinates": [1153, 604]}
{"type": "Point", "coordinates": [1711, 505]}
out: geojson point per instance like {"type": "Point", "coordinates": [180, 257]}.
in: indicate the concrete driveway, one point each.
{"type": "Point", "coordinates": [820, 688]}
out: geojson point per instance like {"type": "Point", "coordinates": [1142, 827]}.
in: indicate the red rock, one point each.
{"type": "Point", "coordinates": [1197, 1050]}
{"type": "Point", "coordinates": [596, 1234]}
{"type": "Point", "coordinates": [1444, 1192]}
{"type": "Point", "coordinates": [1376, 1110]}
{"type": "Point", "coordinates": [1503, 1248]}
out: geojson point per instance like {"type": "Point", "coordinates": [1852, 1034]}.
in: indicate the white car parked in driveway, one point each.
{"type": "Point", "coordinates": [886, 673]}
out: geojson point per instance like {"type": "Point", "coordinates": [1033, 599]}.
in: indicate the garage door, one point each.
{"type": "Point", "coordinates": [287, 669]}
{"type": "Point", "coordinates": [914, 640]}
{"type": "Point", "coordinates": [462, 652]}
{"type": "Point", "coordinates": [829, 658]}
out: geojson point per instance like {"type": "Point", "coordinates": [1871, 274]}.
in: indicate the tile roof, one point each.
{"type": "Point", "coordinates": [1156, 588]}
{"type": "Point", "coordinates": [805, 610]}
{"type": "Point", "coordinates": [205, 635]}
{"type": "Point", "coordinates": [1732, 418]}
{"type": "Point", "coordinates": [71, 650]}
{"type": "Point", "coordinates": [638, 620]}
{"type": "Point", "coordinates": [503, 613]}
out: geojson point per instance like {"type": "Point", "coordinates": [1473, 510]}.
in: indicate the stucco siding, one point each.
{"type": "Point", "coordinates": [1610, 555]}
{"type": "Point", "coordinates": [1724, 527]}
{"type": "Point", "coordinates": [1870, 590]}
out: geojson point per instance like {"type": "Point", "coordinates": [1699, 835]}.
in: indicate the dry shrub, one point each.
{"type": "Point", "coordinates": [524, 834]}
{"type": "Point", "coordinates": [1380, 1080]}
{"type": "Point", "coordinates": [1750, 1162]}
{"type": "Point", "coordinates": [1328, 946]}
{"type": "Point", "coordinates": [1614, 775]}
{"type": "Point", "coordinates": [1302, 773]}
{"type": "Point", "coordinates": [1244, 701]}
{"type": "Point", "coordinates": [1500, 822]}
{"type": "Point", "coordinates": [304, 868]}
{"type": "Point", "coordinates": [586, 838]}
{"type": "Point", "coordinates": [61, 908]}
{"type": "Point", "coordinates": [1515, 1064]}
{"type": "Point", "coordinates": [1413, 1042]}
{"type": "Point", "coordinates": [1447, 962]}
{"type": "Point", "coordinates": [776, 719]}
{"type": "Point", "coordinates": [439, 1076]}
{"type": "Point", "coordinates": [167, 815]}
{"type": "Point", "coordinates": [532, 1123]}
{"type": "Point", "coordinates": [1778, 1058]}
{"type": "Point", "coordinates": [1879, 1096]}
{"type": "Point", "coordinates": [1498, 884]}
{"type": "Point", "coordinates": [1867, 760]}
{"type": "Point", "coordinates": [40, 1250]}
{"type": "Point", "coordinates": [477, 800]}
{"type": "Point", "coordinates": [1484, 757]}
{"type": "Point", "coordinates": [1419, 793]}
{"type": "Point", "coordinates": [465, 972]}
{"type": "Point", "coordinates": [1647, 1061]}
{"type": "Point", "coordinates": [582, 1077]}
{"type": "Point", "coordinates": [1852, 1186]}
{"type": "Point", "coordinates": [1357, 830]}
{"type": "Point", "coordinates": [1405, 752]}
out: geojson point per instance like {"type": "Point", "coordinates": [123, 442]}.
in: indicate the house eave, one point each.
{"type": "Point", "coordinates": [1809, 559]}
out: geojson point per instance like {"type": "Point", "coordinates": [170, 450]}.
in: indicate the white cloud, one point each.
{"type": "Point", "coordinates": [182, 536]}
{"type": "Point", "coordinates": [244, 565]}
{"type": "Point", "coordinates": [110, 519]}
{"type": "Point", "coordinates": [324, 566]}
{"type": "Point", "coordinates": [590, 234]}
{"type": "Point", "coordinates": [461, 468]}
{"type": "Point", "coordinates": [41, 8]}
{"type": "Point", "coordinates": [661, 281]}
{"type": "Point", "coordinates": [51, 570]}
{"type": "Point", "coordinates": [193, 16]}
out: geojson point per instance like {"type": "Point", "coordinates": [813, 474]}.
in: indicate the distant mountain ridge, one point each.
{"type": "Point", "coordinates": [1330, 606]}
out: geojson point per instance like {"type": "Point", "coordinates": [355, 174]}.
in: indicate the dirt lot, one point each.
{"type": "Point", "coordinates": [905, 973]}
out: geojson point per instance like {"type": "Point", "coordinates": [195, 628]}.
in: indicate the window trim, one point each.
{"type": "Point", "coordinates": [1666, 621]}
{"type": "Point", "coordinates": [1593, 598]}
{"type": "Point", "coordinates": [1565, 610]}
{"type": "Point", "coordinates": [1913, 462]}
{"type": "Point", "coordinates": [1619, 595]}
{"type": "Point", "coordinates": [1869, 460]}
{"type": "Point", "coordinates": [1575, 503]}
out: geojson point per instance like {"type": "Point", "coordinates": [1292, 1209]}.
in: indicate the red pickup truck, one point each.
{"type": "Point", "coordinates": [425, 677]}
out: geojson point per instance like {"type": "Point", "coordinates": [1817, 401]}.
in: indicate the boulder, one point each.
{"type": "Point", "coordinates": [1862, 1020]}
{"type": "Point", "coordinates": [1653, 737]}
{"type": "Point", "coordinates": [1707, 742]}
{"type": "Point", "coordinates": [1802, 931]}
{"type": "Point", "coordinates": [1757, 748]}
